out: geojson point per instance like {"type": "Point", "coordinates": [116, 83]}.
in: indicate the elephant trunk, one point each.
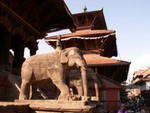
{"type": "Point", "coordinates": [82, 65]}
{"type": "Point", "coordinates": [84, 81]}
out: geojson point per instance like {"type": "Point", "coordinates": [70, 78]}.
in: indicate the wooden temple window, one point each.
{"type": "Point", "coordinates": [80, 44]}
{"type": "Point", "coordinates": [91, 44]}
{"type": "Point", "coordinates": [97, 44]}
{"type": "Point", "coordinates": [74, 43]}
{"type": "Point", "coordinates": [69, 43]}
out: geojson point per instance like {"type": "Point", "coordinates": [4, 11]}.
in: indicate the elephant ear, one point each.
{"type": "Point", "coordinates": [63, 58]}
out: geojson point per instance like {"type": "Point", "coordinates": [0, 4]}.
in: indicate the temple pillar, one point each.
{"type": "Point", "coordinates": [32, 44]}
{"type": "Point", "coordinates": [18, 46]}
{"type": "Point", "coordinates": [5, 40]}
{"type": "Point", "coordinates": [4, 45]}
{"type": "Point", "coordinates": [33, 47]}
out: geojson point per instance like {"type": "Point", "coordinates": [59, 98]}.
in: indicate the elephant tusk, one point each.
{"type": "Point", "coordinates": [42, 93]}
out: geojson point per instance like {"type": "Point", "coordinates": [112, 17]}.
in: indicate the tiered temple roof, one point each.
{"type": "Point", "coordinates": [90, 35]}
{"type": "Point", "coordinates": [97, 43]}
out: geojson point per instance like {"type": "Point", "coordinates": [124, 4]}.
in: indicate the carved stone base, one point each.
{"type": "Point", "coordinates": [50, 106]}
{"type": "Point", "coordinates": [12, 107]}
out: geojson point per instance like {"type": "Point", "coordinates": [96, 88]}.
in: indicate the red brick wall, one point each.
{"type": "Point", "coordinates": [112, 99]}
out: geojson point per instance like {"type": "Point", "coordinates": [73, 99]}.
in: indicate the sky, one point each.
{"type": "Point", "coordinates": [130, 19]}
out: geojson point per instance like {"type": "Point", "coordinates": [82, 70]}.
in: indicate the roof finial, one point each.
{"type": "Point", "coordinates": [84, 9]}
{"type": "Point", "coordinates": [58, 44]}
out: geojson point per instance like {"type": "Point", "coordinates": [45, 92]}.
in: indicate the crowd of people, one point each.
{"type": "Point", "coordinates": [133, 104]}
{"type": "Point", "coordinates": [123, 109]}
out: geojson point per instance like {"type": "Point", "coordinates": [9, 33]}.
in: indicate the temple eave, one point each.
{"type": "Point", "coordinates": [83, 33]}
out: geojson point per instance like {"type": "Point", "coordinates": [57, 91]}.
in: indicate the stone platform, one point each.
{"type": "Point", "coordinates": [50, 106]}
{"type": "Point", "coordinates": [13, 107]}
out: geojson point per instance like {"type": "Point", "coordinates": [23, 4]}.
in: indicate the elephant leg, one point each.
{"type": "Point", "coordinates": [67, 78]}
{"type": "Point", "coordinates": [64, 90]}
{"type": "Point", "coordinates": [30, 93]}
{"type": "Point", "coordinates": [22, 95]}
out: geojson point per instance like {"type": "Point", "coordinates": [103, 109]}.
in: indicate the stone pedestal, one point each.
{"type": "Point", "coordinates": [61, 106]}
{"type": "Point", "coordinates": [55, 106]}
{"type": "Point", "coordinates": [12, 107]}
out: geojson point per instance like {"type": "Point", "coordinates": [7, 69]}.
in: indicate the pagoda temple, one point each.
{"type": "Point", "coordinates": [98, 45]}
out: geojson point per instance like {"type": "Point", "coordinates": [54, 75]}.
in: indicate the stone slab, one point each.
{"type": "Point", "coordinates": [58, 106]}
{"type": "Point", "coordinates": [12, 107]}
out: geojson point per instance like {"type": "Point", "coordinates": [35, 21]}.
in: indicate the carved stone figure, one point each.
{"type": "Point", "coordinates": [54, 66]}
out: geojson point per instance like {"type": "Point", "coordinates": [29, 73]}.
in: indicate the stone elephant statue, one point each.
{"type": "Point", "coordinates": [53, 66]}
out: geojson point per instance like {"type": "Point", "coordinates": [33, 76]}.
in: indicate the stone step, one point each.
{"type": "Point", "coordinates": [59, 106]}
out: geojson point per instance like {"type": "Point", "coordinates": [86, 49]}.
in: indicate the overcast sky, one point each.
{"type": "Point", "coordinates": [130, 19]}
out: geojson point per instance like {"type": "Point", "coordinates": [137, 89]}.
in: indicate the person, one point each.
{"type": "Point", "coordinates": [123, 109]}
